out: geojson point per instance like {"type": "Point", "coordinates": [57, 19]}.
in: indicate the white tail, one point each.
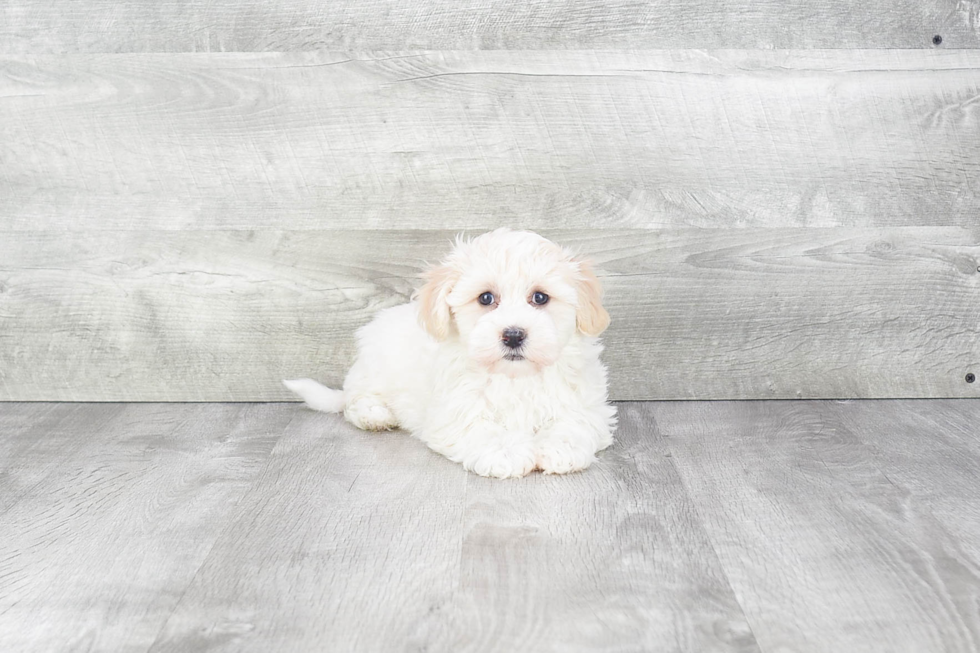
{"type": "Point", "coordinates": [317, 396]}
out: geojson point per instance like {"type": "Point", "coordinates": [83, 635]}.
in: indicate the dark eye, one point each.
{"type": "Point", "coordinates": [539, 299]}
{"type": "Point", "coordinates": [486, 298]}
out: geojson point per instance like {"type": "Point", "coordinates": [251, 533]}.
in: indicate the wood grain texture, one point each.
{"type": "Point", "coordinates": [65, 429]}
{"type": "Point", "coordinates": [468, 140]}
{"type": "Point", "coordinates": [347, 542]}
{"type": "Point", "coordinates": [740, 313]}
{"type": "Point", "coordinates": [199, 25]}
{"type": "Point", "coordinates": [708, 526]}
{"type": "Point", "coordinates": [355, 541]}
{"type": "Point", "coordinates": [607, 560]}
{"type": "Point", "coordinates": [824, 550]}
{"type": "Point", "coordinates": [930, 450]}
{"type": "Point", "coordinates": [95, 555]}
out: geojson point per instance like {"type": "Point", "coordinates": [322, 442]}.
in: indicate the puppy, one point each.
{"type": "Point", "coordinates": [494, 364]}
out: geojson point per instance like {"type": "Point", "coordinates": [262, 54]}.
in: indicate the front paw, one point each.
{"type": "Point", "coordinates": [555, 456]}
{"type": "Point", "coordinates": [503, 460]}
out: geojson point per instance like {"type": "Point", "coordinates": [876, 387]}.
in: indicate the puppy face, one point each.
{"type": "Point", "coordinates": [514, 299]}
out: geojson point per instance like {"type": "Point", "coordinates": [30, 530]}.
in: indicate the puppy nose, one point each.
{"type": "Point", "coordinates": [513, 337]}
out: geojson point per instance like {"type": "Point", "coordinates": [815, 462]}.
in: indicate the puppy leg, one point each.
{"type": "Point", "coordinates": [369, 412]}
{"type": "Point", "coordinates": [485, 449]}
{"type": "Point", "coordinates": [497, 453]}
{"type": "Point", "coordinates": [563, 450]}
{"type": "Point", "coordinates": [570, 445]}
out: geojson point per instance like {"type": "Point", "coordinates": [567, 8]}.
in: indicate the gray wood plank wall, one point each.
{"type": "Point", "coordinates": [458, 140]}
{"type": "Point", "coordinates": [201, 315]}
{"type": "Point", "coordinates": [258, 25]}
{"type": "Point", "coordinates": [187, 225]}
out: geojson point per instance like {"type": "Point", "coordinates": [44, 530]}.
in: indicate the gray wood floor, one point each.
{"type": "Point", "coordinates": [709, 526]}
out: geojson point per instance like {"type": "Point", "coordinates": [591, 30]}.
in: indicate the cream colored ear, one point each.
{"type": "Point", "coordinates": [434, 313]}
{"type": "Point", "coordinates": [590, 317]}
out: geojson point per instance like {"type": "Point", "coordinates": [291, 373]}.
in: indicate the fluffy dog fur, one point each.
{"type": "Point", "coordinates": [440, 367]}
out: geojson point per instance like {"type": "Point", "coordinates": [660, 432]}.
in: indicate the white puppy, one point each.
{"type": "Point", "coordinates": [494, 364]}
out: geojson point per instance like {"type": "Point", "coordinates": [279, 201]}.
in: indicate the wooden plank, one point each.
{"type": "Point", "coordinates": [348, 541]}
{"type": "Point", "coordinates": [613, 559]}
{"type": "Point", "coordinates": [740, 313]}
{"type": "Point", "coordinates": [95, 556]}
{"type": "Point", "coordinates": [454, 140]}
{"type": "Point", "coordinates": [37, 439]}
{"type": "Point", "coordinates": [198, 25]}
{"type": "Point", "coordinates": [824, 552]}
{"type": "Point", "coordinates": [754, 314]}
{"type": "Point", "coordinates": [930, 450]}
{"type": "Point", "coordinates": [17, 417]}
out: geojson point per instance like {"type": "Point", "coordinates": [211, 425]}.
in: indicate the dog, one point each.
{"type": "Point", "coordinates": [494, 363]}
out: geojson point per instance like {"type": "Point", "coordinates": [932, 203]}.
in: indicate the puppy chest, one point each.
{"type": "Point", "coordinates": [526, 404]}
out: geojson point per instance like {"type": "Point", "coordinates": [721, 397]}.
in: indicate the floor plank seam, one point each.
{"type": "Point", "coordinates": [25, 492]}
{"type": "Point", "coordinates": [708, 536]}
{"type": "Point", "coordinates": [231, 522]}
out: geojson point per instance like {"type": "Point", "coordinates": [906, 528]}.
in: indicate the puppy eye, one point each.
{"type": "Point", "coordinates": [486, 298]}
{"type": "Point", "coordinates": [539, 298]}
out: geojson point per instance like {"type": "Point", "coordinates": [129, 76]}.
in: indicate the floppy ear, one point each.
{"type": "Point", "coordinates": [590, 317]}
{"type": "Point", "coordinates": [434, 314]}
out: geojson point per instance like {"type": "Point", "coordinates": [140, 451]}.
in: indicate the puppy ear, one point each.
{"type": "Point", "coordinates": [590, 317]}
{"type": "Point", "coordinates": [434, 314]}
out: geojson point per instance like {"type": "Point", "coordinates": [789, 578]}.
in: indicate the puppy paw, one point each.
{"type": "Point", "coordinates": [505, 460]}
{"type": "Point", "coordinates": [368, 412]}
{"type": "Point", "coordinates": [555, 456]}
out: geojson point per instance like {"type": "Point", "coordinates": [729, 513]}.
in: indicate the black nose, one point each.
{"type": "Point", "coordinates": [513, 337]}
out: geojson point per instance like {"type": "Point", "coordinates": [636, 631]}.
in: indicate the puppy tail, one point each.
{"type": "Point", "coordinates": [318, 397]}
